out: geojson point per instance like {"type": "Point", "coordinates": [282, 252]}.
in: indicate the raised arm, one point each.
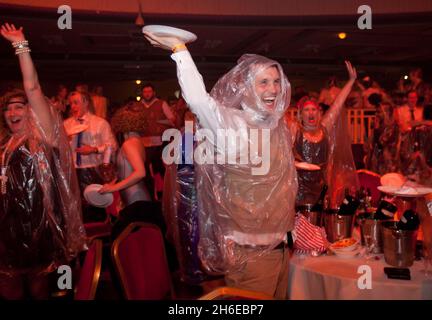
{"type": "Point", "coordinates": [190, 80]}
{"type": "Point", "coordinates": [333, 113]}
{"type": "Point", "coordinates": [31, 84]}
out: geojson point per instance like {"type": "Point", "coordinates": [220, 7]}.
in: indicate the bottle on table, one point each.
{"type": "Point", "coordinates": [360, 195]}
{"type": "Point", "coordinates": [368, 200]}
{"type": "Point", "coordinates": [385, 211]}
{"type": "Point", "coordinates": [409, 221]}
{"type": "Point", "coordinates": [349, 204]}
{"type": "Point", "coordinates": [319, 205]}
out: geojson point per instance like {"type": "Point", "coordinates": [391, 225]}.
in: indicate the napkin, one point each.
{"type": "Point", "coordinates": [307, 237]}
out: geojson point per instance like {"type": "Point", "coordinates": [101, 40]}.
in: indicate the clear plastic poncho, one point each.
{"type": "Point", "coordinates": [239, 209]}
{"type": "Point", "coordinates": [181, 212]}
{"type": "Point", "coordinates": [333, 154]}
{"type": "Point", "coordinates": [40, 213]}
{"type": "Point", "coordinates": [341, 171]}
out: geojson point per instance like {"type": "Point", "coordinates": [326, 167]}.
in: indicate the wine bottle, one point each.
{"type": "Point", "coordinates": [349, 204]}
{"type": "Point", "coordinates": [368, 201]}
{"type": "Point", "coordinates": [385, 211]}
{"type": "Point", "coordinates": [319, 204]}
{"type": "Point", "coordinates": [409, 221]}
{"type": "Point", "coordinates": [361, 196]}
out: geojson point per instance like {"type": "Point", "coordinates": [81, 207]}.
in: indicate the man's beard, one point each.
{"type": "Point", "coordinates": [149, 100]}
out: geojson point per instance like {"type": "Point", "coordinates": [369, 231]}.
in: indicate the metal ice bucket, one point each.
{"type": "Point", "coordinates": [314, 217]}
{"type": "Point", "coordinates": [399, 245]}
{"type": "Point", "coordinates": [371, 228]}
{"type": "Point", "coordinates": [337, 226]}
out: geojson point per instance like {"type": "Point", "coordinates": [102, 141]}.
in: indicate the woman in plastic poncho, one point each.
{"type": "Point", "coordinates": [40, 217]}
{"type": "Point", "coordinates": [324, 140]}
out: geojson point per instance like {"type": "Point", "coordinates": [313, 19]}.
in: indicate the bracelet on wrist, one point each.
{"type": "Point", "coordinates": [178, 47]}
{"type": "Point", "coordinates": [23, 50]}
{"type": "Point", "coordinates": [20, 44]}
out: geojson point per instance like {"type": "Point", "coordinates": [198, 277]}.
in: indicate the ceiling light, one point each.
{"type": "Point", "coordinates": [138, 82]}
{"type": "Point", "coordinates": [342, 35]}
{"type": "Point", "coordinates": [405, 77]}
{"type": "Point", "coordinates": [138, 98]}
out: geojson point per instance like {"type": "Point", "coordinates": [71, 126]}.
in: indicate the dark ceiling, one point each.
{"type": "Point", "coordinates": [110, 47]}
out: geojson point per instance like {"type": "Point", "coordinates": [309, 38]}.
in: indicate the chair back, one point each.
{"type": "Point", "coordinates": [139, 258]}
{"type": "Point", "coordinates": [90, 272]}
{"type": "Point", "coordinates": [97, 229]}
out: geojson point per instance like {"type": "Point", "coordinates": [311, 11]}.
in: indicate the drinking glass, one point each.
{"type": "Point", "coordinates": [370, 245]}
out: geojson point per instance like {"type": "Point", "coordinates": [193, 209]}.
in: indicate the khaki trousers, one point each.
{"type": "Point", "coordinates": [267, 274]}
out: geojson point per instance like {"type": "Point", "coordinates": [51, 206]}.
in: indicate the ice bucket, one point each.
{"type": "Point", "coordinates": [399, 245]}
{"type": "Point", "coordinates": [337, 226]}
{"type": "Point", "coordinates": [314, 217]}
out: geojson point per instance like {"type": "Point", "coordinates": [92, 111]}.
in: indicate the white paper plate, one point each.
{"type": "Point", "coordinates": [405, 191]}
{"type": "Point", "coordinates": [167, 31]}
{"type": "Point", "coordinates": [96, 199]}
{"type": "Point", "coordinates": [307, 166]}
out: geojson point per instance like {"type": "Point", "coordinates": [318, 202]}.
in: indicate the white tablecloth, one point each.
{"type": "Point", "coordinates": [333, 278]}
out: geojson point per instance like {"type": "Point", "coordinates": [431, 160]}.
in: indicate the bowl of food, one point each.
{"type": "Point", "coordinates": [344, 245]}
{"type": "Point", "coordinates": [348, 254]}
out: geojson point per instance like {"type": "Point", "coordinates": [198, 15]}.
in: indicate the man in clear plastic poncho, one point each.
{"type": "Point", "coordinates": [246, 206]}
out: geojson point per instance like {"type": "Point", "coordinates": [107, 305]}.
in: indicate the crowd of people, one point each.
{"type": "Point", "coordinates": [52, 149]}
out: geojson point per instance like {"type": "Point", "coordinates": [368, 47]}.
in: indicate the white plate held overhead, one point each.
{"type": "Point", "coordinates": [92, 195]}
{"type": "Point", "coordinates": [166, 31]}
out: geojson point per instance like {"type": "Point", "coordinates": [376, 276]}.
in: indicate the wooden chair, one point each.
{"type": "Point", "coordinates": [229, 293]}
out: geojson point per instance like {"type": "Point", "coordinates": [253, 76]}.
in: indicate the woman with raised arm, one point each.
{"type": "Point", "coordinates": [324, 141]}
{"type": "Point", "coordinates": [40, 216]}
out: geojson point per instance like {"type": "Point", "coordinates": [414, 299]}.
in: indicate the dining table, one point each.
{"type": "Point", "coordinates": [331, 277]}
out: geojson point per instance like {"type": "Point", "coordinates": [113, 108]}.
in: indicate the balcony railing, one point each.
{"type": "Point", "coordinates": [360, 123]}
